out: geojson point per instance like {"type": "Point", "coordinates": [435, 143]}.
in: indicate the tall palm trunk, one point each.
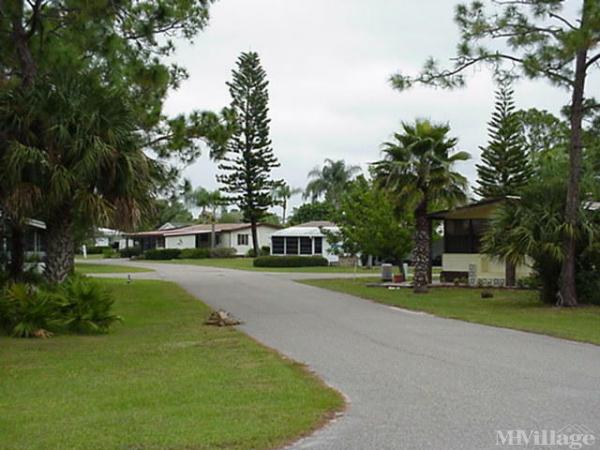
{"type": "Point", "coordinates": [17, 250]}
{"type": "Point", "coordinates": [284, 207]}
{"type": "Point", "coordinates": [568, 290]}
{"type": "Point", "coordinates": [60, 249]}
{"type": "Point", "coordinates": [510, 274]}
{"type": "Point", "coordinates": [422, 252]}
{"type": "Point", "coordinates": [255, 237]}
{"type": "Point", "coordinates": [213, 232]}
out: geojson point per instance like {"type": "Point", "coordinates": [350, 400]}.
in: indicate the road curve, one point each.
{"type": "Point", "coordinates": [413, 381]}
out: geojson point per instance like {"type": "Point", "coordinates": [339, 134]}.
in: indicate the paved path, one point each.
{"type": "Point", "coordinates": [413, 381]}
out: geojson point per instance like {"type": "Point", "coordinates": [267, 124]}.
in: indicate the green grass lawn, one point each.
{"type": "Point", "coordinates": [159, 380]}
{"type": "Point", "coordinates": [246, 264]}
{"type": "Point", "coordinates": [518, 309]}
{"type": "Point", "coordinates": [97, 256]}
{"type": "Point", "coordinates": [85, 268]}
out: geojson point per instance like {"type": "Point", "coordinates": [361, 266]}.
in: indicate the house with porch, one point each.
{"type": "Point", "coordinates": [307, 239]}
{"type": "Point", "coordinates": [463, 228]}
{"type": "Point", "coordinates": [227, 235]}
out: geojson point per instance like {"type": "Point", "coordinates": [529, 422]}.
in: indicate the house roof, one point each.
{"type": "Point", "coordinates": [484, 209]}
{"type": "Point", "coordinates": [200, 229]}
{"type": "Point", "coordinates": [476, 210]}
{"type": "Point", "coordinates": [309, 229]}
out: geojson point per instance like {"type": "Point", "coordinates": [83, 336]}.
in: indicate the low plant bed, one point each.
{"type": "Point", "coordinates": [161, 379]}
{"type": "Point", "coordinates": [519, 309]}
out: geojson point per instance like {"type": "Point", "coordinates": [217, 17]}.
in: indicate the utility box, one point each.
{"type": "Point", "coordinates": [386, 273]}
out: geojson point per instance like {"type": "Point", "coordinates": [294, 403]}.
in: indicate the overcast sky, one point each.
{"type": "Point", "coordinates": [328, 64]}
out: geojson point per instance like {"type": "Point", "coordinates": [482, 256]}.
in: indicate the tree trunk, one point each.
{"type": "Point", "coordinates": [255, 237]}
{"type": "Point", "coordinates": [20, 40]}
{"type": "Point", "coordinates": [213, 233]}
{"type": "Point", "coordinates": [422, 251]}
{"type": "Point", "coordinates": [17, 251]}
{"type": "Point", "coordinates": [60, 249]}
{"type": "Point", "coordinates": [568, 291]}
{"type": "Point", "coordinates": [284, 207]}
{"type": "Point", "coordinates": [510, 274]}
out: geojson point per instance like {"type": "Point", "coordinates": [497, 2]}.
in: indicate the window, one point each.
{"type": "Point", "coordinates": [463, 236]}
{"type": "Point", "coordinates": [242, 239]}
{"type": "Point", "coordinates": [202, 240]}
{"type": "Point", "coordinates": [291, 246]}
{"type": "Point", "coordinates": [305, 246]}
{"type": "Point", "coordinates": [318, 246]}
{"type": "Point", "coordinates": [278, 245]}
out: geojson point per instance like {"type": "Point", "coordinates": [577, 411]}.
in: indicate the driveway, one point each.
{"type": "Point", "coordinates": [413, 381]}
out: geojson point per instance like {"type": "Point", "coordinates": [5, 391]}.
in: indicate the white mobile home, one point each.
{"type": "Point", "coordinates": [228, 235]}
{"type": "Point", "coordinates": [307, 239]}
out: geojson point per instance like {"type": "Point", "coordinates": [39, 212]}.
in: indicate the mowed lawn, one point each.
{"type": "Point", "coordinates": [86, 268]}
{"type": "Point", "coordinates": [247, 264]}
{"type": "Point", "coordinates": [159, 380]}
{"type": "Point", "coordinates": [517, 309]}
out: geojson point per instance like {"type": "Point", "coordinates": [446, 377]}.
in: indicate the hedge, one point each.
{"type": "Point", "coordinates": [91, 250]}
{"type": "Point", "coordinates": [162, 254]}
{"type": "Point", "coordinates": [194, 253]}
{"type": "Point", "coordinates": [130, 252]}
{"type": "Point", "coordinates": [290, 261]}
{"type": "Point", "coordinates": [223, 252]}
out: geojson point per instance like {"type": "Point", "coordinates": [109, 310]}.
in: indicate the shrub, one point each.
{"type": "Point", "coordinates": [195, 253]}
{"type": "Point", "coordinates": [26, 311]}
{"type": "Point", "coordinates": [588, 286]}
{"type": "Point", "coordinates": [290, 261]}
{"type": "Point", "coordinates": [530, 282]}
{"type": "Point", "coordinates": [162, 253]}
{"type": "Point", "coordinates": [265, 250]}
{"type": "Point", "coordinates": [223, 252]}
{"type": "Point", "coordinates": [86, 306]}
{"type": "Point", "coordinates": [91, 250]}
{"type": "Point", "coordinates": [109, 253]}
{"type": "Point", "coordinates": [130, 252]}
{"type": "Point", "coordinates": [78, 305]}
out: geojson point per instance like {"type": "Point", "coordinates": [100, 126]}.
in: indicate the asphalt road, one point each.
{"type": "Point", "coordinates": [413, 381]}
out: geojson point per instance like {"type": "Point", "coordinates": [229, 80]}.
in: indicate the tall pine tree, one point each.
{"type": "Point", "coordinates": [506, 166]}
{"type": "Point", "coordinates": [250, 158]}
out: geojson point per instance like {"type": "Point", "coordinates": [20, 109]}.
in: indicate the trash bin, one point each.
{"type": "Point", "coordinates": [386, 273]}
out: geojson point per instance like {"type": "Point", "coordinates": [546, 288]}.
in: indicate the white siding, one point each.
{"type": "Point", "coordinates": [264, 239]}
{"type": "Point", "coordinates": [180, 242]}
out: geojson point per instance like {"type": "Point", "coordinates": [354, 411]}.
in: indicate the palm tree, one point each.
{"type": "Point", "coordinates": [281, 194]}
{"type": "Point", "coordinates": [205, 199]}
{"type": "Point", "coordinates": [417, 170]}
{"type": "Point", "coordinates": [73, 159]}
{"type": "Point", "coordinates": [330, 181]}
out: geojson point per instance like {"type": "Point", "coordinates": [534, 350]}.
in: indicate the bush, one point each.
{"type": "Point", "coordinates": [195, 253]}
{"type": "Point", "coordinates": [265, 250]}
{"type": "Point", "coordinates": [223, 252]}
{"type": "Point", "coordinates": [290, 261]}
{"type": "Point", "coordinates": [26, 311]}
{"type": "Point", "coordinates": [530, 282]}
{"type": "Point", "coordinates": [130, 252]}
{"type": "Point", "coordinates": [78, 305]}
{"type": "Point", "coordinates": [109, 253]}
{"type": "Point", "coordinates": [86, 307]}
{"type": "Point", "coordinates": [588, 287]}
{"type": "Point", "coordinates": [162, 254]}
{"type": "Point", "coordinates": [96, 250]}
